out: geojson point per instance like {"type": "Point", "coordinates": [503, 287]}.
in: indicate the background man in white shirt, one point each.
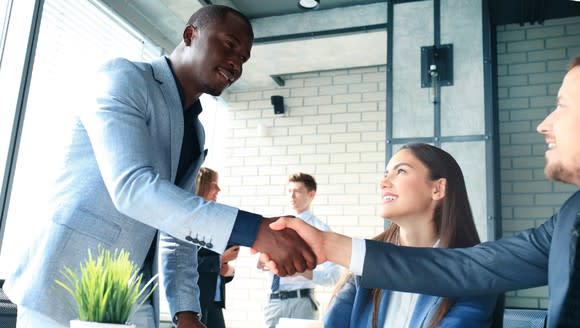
{"type": "Point", "coordinates": [293, 296]}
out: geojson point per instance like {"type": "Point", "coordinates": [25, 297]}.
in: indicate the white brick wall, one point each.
{"type": "Point", "coordinates": [334, 129]}
{"type": "Point", "coordinates": [531, 64]}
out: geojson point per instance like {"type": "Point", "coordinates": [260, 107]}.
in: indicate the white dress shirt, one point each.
{"type": "Point", "coordinates": [326, 274]}
{"type": "Point", "coordinates": [357, 256]}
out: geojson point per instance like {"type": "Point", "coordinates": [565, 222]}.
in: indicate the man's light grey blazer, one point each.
{"type": "Point", "coordinates": [116, 188]}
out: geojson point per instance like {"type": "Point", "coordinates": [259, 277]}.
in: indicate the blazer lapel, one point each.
{"type": "Point", "coordinates": [384, 306]}
{"type": "Point", "coordinates": [424, 309]}
{"type": "Point", "coordinates": [167, 85]}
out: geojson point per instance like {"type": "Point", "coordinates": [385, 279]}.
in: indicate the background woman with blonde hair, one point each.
{"type": "Point", "coordinates": [214, 271]}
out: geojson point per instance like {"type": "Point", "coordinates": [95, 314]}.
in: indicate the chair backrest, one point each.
{"type": "Point", "coordinates": [524, 318]}
{"type": "Point", "coordinates": [497, 320]}
{"type": "Point", "coordinates": [7, 310]}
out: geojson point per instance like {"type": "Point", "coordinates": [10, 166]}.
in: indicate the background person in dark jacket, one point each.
{"type": "Point", "coordinates": [214, 271]}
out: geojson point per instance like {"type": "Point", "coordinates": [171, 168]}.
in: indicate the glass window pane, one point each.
{"type": "Point", "coordinates": [471, 157]}
{"type": "Point", "coordinates": [16, 27]}
{"type": "Point", "coordinates": [463, 102]}
{"type": "Point", "coordinates": [5, 119]}
{"type": "Point", "coordinates": [3, 23]}
{"type": "Point", "coordinates": [412, 105]}
{"type": "Point", "coordinates": [75, 37]}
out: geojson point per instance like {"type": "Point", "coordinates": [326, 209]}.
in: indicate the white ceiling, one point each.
{"type": "Point", "coordinates": [163, 22]}
{"type": "Point", "coordinates": [356, 50]}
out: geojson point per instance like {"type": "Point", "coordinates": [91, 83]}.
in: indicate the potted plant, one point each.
{"type": "Point", "coordinates": [107, 290]}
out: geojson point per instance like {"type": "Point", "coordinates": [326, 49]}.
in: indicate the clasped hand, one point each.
{"type": "Point", "coordinates": [285, 250]}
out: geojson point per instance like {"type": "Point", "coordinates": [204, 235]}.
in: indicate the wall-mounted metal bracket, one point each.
{"type": "Point", "coordinates": [278, 79]}
{"type": "Point", "coordinates": [437, 61]}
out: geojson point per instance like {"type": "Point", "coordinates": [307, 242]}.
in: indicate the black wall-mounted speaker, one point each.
{"type": "Point", "coordinates": [278, 102]}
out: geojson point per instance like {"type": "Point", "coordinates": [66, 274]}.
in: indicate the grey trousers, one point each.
{"type": "Point", "coordinates": [297, 308]}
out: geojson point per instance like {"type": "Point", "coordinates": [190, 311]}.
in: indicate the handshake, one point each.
{"type": "Point", "coordinates": [289, 245]}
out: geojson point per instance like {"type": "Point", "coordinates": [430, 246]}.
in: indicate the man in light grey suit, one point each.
{"type": "Point", "coordinates": [129, 172]}
{"type": "Point", "coordinates": [534, 257]}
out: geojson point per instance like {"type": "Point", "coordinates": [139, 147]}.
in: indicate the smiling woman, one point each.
{"type": "Point", "coordinates": [424, 196]}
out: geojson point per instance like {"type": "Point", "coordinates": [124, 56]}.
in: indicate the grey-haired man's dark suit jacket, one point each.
{"type": "Point", "coordinates": [531, 258]}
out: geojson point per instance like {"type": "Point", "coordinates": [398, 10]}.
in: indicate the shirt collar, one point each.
{"type": "Point", "coordinates": [196, 107]}
{"type": "Point", "coordinates": [305, 214]}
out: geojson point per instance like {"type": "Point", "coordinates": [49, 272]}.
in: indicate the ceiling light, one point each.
{"type": "Point", "coordinates": [308, 4]}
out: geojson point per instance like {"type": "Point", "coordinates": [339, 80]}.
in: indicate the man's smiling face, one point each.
{"type": "Point", "coordinates": [561, 130]}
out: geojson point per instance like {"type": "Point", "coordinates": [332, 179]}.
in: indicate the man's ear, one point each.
{"type": "Point", "coordinates": [312, 193]}
{"type": "Point", "coordinates": [189, 34]}
{"type": "Point", "coordinates": [439, 189]}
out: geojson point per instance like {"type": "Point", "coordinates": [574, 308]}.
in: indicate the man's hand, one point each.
{"type": "Point", "coordinates": [285, 248]}
{"type": "Point", "coordinates": [261, 264]}
{"type": "Point", "coordinates": [189, 320]}
{"type": "Point", "coordinates": [227, 270]}
{"type": "Point", "coordinates": [230, 254]}
{"type": "Point", "coordinates": [327, 245]}
{"type": "Point", "coordinates": [310, 234]}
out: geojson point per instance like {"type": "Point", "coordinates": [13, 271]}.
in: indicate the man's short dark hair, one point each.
{"type": "Point", "coordinates": [306, 179]}
{"type": "Point", "coordinates": [212, 14]}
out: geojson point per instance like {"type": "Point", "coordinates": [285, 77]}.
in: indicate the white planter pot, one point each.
{"type": "Point", "coordinates": [91, 324]}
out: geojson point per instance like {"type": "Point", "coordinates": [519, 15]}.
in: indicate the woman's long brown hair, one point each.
{"type": "Point", "coordinates": [453, 217]}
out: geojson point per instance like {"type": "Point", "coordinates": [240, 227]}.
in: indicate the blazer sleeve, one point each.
{"type": "Point", "coordinates": [179, 276]}
{"type": "Point", "coordinates": [491, 267]}
{"type": "Point", "coordinates": [339, 312]}
{"type": "Point", "coordinates": [470, 312]}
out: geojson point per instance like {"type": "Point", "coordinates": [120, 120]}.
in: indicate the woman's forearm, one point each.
{"type": "Point", "coordinates": [338, 248]}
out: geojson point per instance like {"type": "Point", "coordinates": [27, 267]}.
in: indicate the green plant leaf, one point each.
{"type": "Point", "coordinates": [107, 288]}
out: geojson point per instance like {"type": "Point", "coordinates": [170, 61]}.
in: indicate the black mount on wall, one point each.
{"type": "Point", "coordinates": [437, 63]}
{"type": "Point", "coordinates": [278, 103]}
